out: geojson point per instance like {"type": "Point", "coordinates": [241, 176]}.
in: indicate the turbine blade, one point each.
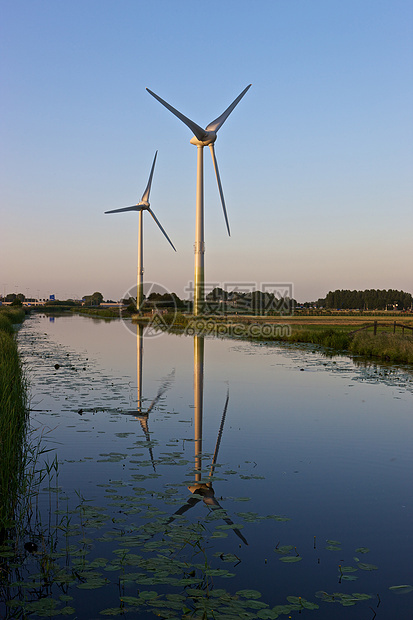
{"type": "Point", "coordinates": [196, 129]}
{"type": "Point", "coordinates": [145, 196]}
{"type": "Point", "coordinates": [218, 122]}
{"type": "Point", "coordinates": [221, 193]}
{"type": "Point", "coordinates": [165, 386]}
{"type": "Point", "coordinates": [134, 208]}
{"type": "Point", "coordinates": [191, 502]}
{"type": "Point", "coordinates": [160, 393]}
{"type": "Point", "coordinates": [212, 503]}
{"type": "Point", "coordinates": [159, 224]}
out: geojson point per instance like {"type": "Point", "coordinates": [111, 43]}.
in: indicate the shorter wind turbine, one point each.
{"type": "Point", "coordinates": [203, 137]}
{"type": "Point", "coordinates": [142, 206]}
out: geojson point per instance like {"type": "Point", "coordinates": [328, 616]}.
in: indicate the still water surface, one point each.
{"type": "Point", "coordinates": [196, 469]}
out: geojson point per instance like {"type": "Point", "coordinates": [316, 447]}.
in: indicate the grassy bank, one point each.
{"type": "Point", "coordinates": [386, 346]}
{"type": "Point", "coordinates": [103, 313]}
{"type": "Point", "coordinates": [13, 418]}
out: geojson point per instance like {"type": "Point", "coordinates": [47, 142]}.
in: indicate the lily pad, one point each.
{"type": "Point", "coordinates": [251, 594]}
{"type": "Point", "coordinates": [404, 589]}
{"type": "Point", "coordinates": [361, 596]}
{"type": "Point", "coordinates": [267, 614]}
{"type": "Point", "coordinates": [283, 549]}
{"type": "Point", "coordinates": [365, 566]}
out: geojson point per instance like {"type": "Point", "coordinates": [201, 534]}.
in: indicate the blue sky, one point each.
{"type": "Point", "coordinates": [316, 161]}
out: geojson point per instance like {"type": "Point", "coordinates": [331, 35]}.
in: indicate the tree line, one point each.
{"type": "Point", "coordinates": [370, 299]}
{"type": "Point", "coordinates": [257, 302]}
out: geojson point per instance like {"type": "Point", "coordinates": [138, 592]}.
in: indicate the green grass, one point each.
{"type": "Point", "coordinates": [6, 326]}
{"type": "Point", "coordinates": [389, 347]}
{"type": "Point", "coordinates": [13, 418]}
{"type": "Point", "coordinates": [106, 313]}
{"type": "Point", "coordinates": [11, 316]}
{"type": "Point", "coordinates": [331, 338]}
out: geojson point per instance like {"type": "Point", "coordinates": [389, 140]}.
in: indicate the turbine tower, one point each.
{"type": "Point", "coordinates": [142, 206]}
{"type": "Point", "coordinates": [203, 137]}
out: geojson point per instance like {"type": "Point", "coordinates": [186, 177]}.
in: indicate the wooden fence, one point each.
{"type": "Point", "coordinates": [376, 324]}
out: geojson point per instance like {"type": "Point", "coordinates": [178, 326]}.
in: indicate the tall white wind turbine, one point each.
{"type": "Point", "coordinates": [203, 137]}
{"type": "Point", "coordinates": [142, 206]}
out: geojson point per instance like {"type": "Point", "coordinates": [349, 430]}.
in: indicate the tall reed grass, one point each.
{"type": "Point", "coordinates": [13, 417]}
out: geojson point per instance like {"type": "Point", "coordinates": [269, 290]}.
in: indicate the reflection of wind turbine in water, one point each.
{"type": "Point", "coordinates": [201, 489]}
{"type": "Point", "coordinates": [142, 414]}
{"type": "Point", "coordinates": [142, 206]}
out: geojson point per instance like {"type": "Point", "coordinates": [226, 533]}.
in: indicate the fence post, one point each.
{"type": "Point", "coordinates": [375, 327]}
{"type": "Point", "coordinates": [394, 327]}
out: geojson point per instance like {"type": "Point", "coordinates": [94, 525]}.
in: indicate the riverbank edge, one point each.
{"type": "Point", "coordinates": [384, 346]}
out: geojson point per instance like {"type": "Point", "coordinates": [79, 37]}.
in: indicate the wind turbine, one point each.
{"type": "Point", "coordinates": [203, 137]}
{"type": "Point", "coordinates": [142, 206]}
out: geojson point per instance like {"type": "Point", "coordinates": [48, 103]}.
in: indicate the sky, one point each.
{"type": "Point", "coordinates": [316, 161]}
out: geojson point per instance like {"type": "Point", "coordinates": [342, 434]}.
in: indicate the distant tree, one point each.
{"type": "Point", "coordinates": [370, 299]}
{"type": "Point", "coordinates": [13, 296]}
{"type": "Point", "coordinates": [217, 294]}
{"type": "Point", "coordinates": [127, 300]}
{"type": "Point", "coordinates": [215, 301]}
{"type": "Point", "coordinates": [93, 300]}
{"type": "Point", "coordinates": [165, 300]}
{"type": "Point", "coordinates": [131, 307]}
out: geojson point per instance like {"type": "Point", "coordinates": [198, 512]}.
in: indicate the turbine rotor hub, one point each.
{"type": "Point", "coordinates": [210, 137]}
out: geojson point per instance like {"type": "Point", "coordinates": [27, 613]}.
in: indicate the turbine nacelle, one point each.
{"type": "Point", "coordinates": [201, 488]}
{"type": "Point", "coordinates": [143, 206]}
{"type": "Point", "coordinates": [210, 137]}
